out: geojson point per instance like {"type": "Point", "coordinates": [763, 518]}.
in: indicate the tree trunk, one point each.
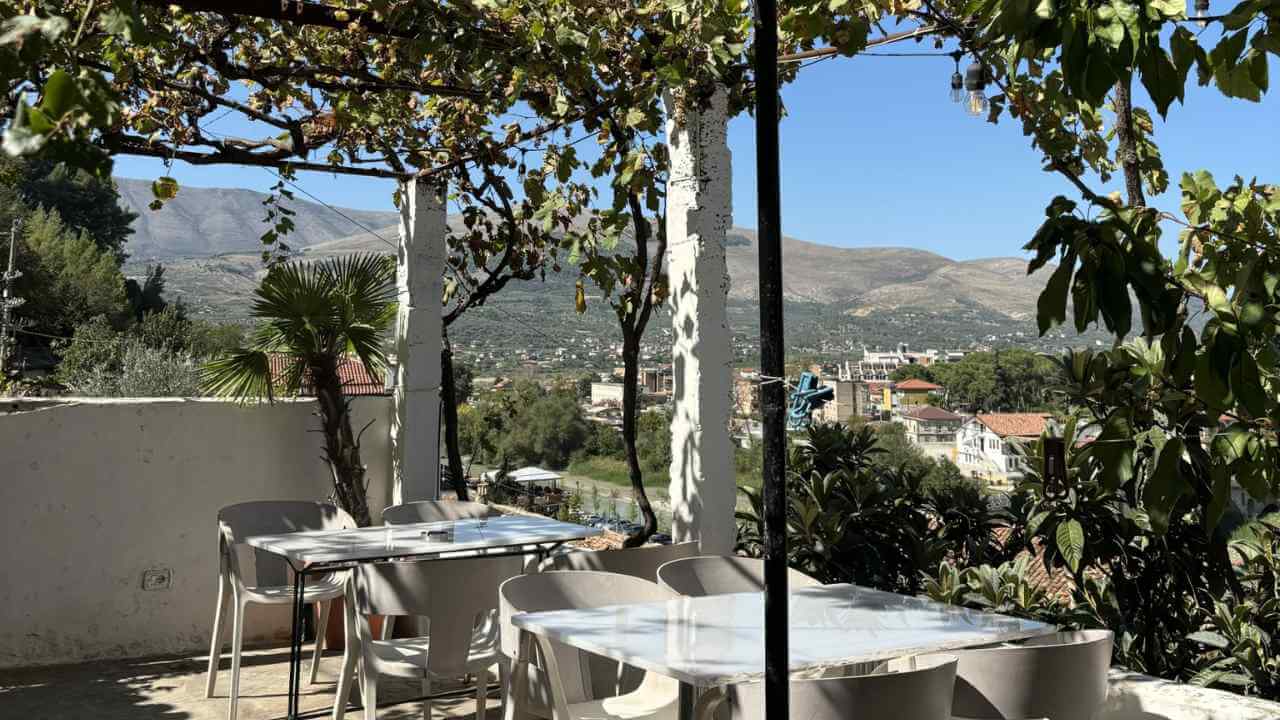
{"type": "Point", "coordinates": [341, 445]}
{"type": "Point", "coordinates": [1127, 144]}
{"type": "Point", "coordinates": [449, 409]}
{"type": "Point", "coordinates": [630, 377]}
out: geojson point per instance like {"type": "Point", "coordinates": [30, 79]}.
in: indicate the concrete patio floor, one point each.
{"type": "Point", "coordinates": [173, 689]}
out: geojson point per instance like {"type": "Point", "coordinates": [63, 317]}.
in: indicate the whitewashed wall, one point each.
{"type": "Point", "coordinates": [95, 493]}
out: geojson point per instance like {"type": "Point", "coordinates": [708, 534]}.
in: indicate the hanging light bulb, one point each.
{"type": "Point", "coordinates": [957, 81]}
{"type": "Point", "coordinates": [1202, 11]}
{"type": "Point", "coordinates": [975, 82]}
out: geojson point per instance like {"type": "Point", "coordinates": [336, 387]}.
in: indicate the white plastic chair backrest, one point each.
{"type": "Point", "coordinates": [570, 590]}
{"type": "Point", "coordinates": [607, 678]}
{"type": "Point", "coordinates": [641, 562]}
{"type": "Point", "coordinates": [457, 596]}
{"type": "Point", "coordinates": [720, 575]}
{"type": "Point", "coordinates": [1062, 676]}
{"type": "Point", "coordinates": [434, 511]}
{"type": "Point", "coordinates": [914, 688]}
{"type": "Point", "coordinates": [269, 517]}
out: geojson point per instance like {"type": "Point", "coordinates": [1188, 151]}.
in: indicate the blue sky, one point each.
{"type": "Point", "coordinates": [874, 154]}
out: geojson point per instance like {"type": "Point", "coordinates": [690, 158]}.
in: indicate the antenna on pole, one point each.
{"type": "Point", "coordinates": [9, 303]}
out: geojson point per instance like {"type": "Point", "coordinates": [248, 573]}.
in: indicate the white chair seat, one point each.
{"type": "Point", "coordinates": [407, 657]}
{"type": "Point", "coordinates": [657, 699]}
{"type": "Point", "coordinates": [325, 589]}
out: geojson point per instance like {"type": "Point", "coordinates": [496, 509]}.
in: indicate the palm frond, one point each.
{"type": "Point", "coordinates": [240, 374]}
{"type": "Point", "coordinates": [365, 282]}
{"type": "Point", "coordinates": [310, 310]}
{"type": "Point", "coordinates": [365, 342]}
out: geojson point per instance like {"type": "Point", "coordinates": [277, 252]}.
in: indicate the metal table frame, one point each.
{"type": "Point", "coordinates": [539, 549]}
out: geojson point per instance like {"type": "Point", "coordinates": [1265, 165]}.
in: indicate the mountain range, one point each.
{"type": "Point", "coordinates": [207, 239]}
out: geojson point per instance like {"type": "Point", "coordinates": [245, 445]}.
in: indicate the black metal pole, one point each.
{"type": "Point", "coordinates": [777, 684]}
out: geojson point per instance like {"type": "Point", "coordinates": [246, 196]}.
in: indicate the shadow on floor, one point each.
{"type": "Point", "coordinates": [173, 689]}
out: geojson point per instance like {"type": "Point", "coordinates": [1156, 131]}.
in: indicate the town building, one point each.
{"type": "Point", "coordinates": [986, 445]}
{"type": "Point", "coordinates": [874, 399]}
{"type": "Point", "coordinates": [606, 394]}
{"type": "Point", "coordinates": [932, 429]}
{"type": "Point", "coordinates": [656, 380]}
{"type": "Point", "coordinates": [914, 392]}
{"type": "Point", "coordinates": [877, 366]}
{"type": "Point", "coordinates": [843, 404]}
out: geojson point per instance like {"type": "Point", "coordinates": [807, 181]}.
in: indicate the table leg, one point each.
{"type": "Point", "coordinates": [688, 696]}
{"type": "Point", "coordinates": [295, 644]}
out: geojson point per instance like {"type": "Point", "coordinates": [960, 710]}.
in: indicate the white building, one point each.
{"type": "Point", "coordinates": [985, 446]}
{"type": "Point", "coordinates": [932, 429]}
{"type": "Point", "coordinates": [606, 394]}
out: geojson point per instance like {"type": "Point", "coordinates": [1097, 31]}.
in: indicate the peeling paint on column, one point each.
{"type": "Point", "coordinates": [416, 420]}
{"type": "Point", "coordinates": [699, 214]}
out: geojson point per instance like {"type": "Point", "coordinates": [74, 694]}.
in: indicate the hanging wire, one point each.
{"type": "Point", "coordinates": [815, 62]}
{"type": "Point", "coordinates": [903, 54]}
{"type": "Point", "coordinates": [60, 337]}
{"type": "Point", "coordinates": [339, 213]}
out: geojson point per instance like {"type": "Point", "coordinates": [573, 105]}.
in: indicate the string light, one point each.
{"type": "Point", "coordinates": [1202, 12]}
{"type": "Point", "coordinates": [957, 80]}
{"type": "Point", "coordinates": [975, 82]}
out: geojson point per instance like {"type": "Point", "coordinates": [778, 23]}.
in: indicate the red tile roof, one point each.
{"type": "Point", "coordinates": [929, 412]}
{"type": "Point", "coordinates": [916, 384]}
{"type": "Point", "coordinates": [1057, 583]}
{"type": "Point", "coordinates": [1015, 424]}
{"type": "Point", "coordinates": [356, 380]}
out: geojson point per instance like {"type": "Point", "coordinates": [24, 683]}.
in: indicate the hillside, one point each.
{"type": "Point", "coordinates": [208, 241]}
{"type": "Point", "coordinates": [209, 221]}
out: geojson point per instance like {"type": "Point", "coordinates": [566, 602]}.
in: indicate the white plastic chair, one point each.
{"type": "Point", "coordinates": [913, 688]}
{"type": "Point", "coordinates": [721, 575]}
{"type": "Point", "coordinates": [566, 675]}
{"type": "Point", "coordinates": [271, 580]}
{"type": "Point", "coordinates": [641, 562]}
{"type": "Point", "coordinates": [434, 511]}
{"type": "Point", "coordinates": [459, 599]}
{"type": "Point", "coordinates": [608, 676]}
{"type": "Point", "coordinates": [1062, 676]}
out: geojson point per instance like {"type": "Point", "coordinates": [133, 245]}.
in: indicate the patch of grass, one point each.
{"type": "Point", "coordinates": [614, 471]}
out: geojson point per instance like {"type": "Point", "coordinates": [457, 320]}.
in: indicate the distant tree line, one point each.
{"type": "Point", "coordinates": [1006, 380]}
{"type": "Point", "coordinates": [109, 335]}
{"type": "Point", "coordinates": [528, 423]}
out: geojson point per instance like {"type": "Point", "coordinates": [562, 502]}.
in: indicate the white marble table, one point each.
{"type": "Point", "coordinates": [318, 551]}
{"type": "Point", "coordinates": [718, 640]}
{"type": "Point", "coordinates": [308, 549]}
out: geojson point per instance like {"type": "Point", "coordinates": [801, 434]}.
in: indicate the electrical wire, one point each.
{"type": "Point", "coordinates": [339, 213]}
{"type": "Point", "coordinates": [904, 54]}
{"type": "Point", "coordinates": [336, 211]}
{"type": "Point", "coordinates": [60, 337]}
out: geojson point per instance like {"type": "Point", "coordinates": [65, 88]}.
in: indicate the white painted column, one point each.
{"type": "Point", "coordinates": [699, 213]}
{"type": "Point", "coordinates": [415, 427]}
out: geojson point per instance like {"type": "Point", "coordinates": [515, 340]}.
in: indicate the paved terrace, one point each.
{"type": "Point", "coordinates": [173, 689]}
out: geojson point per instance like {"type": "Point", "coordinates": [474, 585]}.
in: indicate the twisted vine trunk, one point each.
{"type": "Point", "coordinates": [630, 378]}
{"type": "Point", "coordinates": [1127, 143]}
{"type": "Point", "coordinates": [449, 411]}
{"type": "Point", "coordinates": [341, 444]}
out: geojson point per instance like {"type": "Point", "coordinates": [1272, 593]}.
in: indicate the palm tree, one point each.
{"type": "Point", "coordinates": [315, 314]}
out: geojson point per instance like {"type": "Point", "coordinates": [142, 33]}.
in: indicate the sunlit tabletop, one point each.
{"type": "Point", "coordinates": [329, 547]}
{"type": "Point", "coordinates": [719, 639]}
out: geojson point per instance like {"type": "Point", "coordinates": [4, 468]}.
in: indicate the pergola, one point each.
{"type": "Point", "coordinates": [698, 216]}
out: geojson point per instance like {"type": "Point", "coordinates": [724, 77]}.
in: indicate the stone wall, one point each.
{"type": "Point", "coordinates": [95, 495]}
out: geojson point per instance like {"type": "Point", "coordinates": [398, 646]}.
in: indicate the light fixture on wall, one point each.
{"type": "Point", "coordinates": [975, 82]}
{"type": "Point", "coordinates": [1202, 11]}
{"type": "Point", "coordinates": [957, 80]}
